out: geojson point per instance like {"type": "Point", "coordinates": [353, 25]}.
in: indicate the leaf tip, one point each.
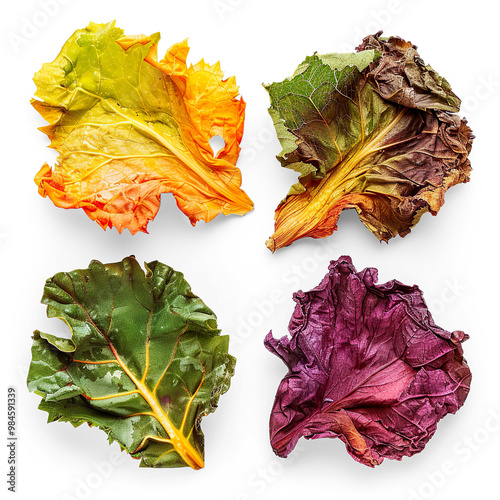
{"type": "Point", "coordinates": [125, 42]}
{"type": "Point", "coordinates": [270, 243]}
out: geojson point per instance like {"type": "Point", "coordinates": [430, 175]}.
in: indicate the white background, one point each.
{"type": "Point", "coordinates": [453, 257]}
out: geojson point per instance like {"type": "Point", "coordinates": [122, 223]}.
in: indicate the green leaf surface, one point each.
{"type": "Point", "coordinates": [145, 363]}
{"type": "Point", "coordinates": [318, 112]}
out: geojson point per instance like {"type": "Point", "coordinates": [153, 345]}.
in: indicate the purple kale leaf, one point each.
{"type": "Point", "coordinates": [367, 364]}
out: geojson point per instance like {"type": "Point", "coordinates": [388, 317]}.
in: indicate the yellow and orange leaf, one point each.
{"type": "Point", "coordinates": [129, 127]}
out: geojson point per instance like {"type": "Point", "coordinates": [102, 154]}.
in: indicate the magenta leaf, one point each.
{"type": "Point", "coordinates": [367, 364]}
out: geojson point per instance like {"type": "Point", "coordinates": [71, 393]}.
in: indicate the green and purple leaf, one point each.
{"type": "Point", "coordinates": [374, 131]}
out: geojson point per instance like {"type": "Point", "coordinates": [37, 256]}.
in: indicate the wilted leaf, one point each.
{"type": "Point", "coordinates": [367, 364]}
{"type": "Point", "coordinates": [374, 131]}
{"type": "Point", "coordinates": [145, 362]}
{"type": "Point", "coordinates": [129, 127]}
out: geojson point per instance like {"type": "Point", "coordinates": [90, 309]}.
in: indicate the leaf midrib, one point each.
{"type": "Point", "coordinates": [181, 444]}
{"type": "Point", "coordinates": [331, 188]}
{"type": "Point", "coordinates": [221, 187]}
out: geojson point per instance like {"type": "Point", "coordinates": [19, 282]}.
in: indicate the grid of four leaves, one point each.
{"type": "Point", "coordinates": [374, 131]}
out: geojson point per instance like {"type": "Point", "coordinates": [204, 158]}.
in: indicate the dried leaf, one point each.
{"type": "Point", "coordinates": [368, 365]}
{"type": "Point", "coordinates": [129, 127]}
{"type": "Point", "coordinates": [374, 131]}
